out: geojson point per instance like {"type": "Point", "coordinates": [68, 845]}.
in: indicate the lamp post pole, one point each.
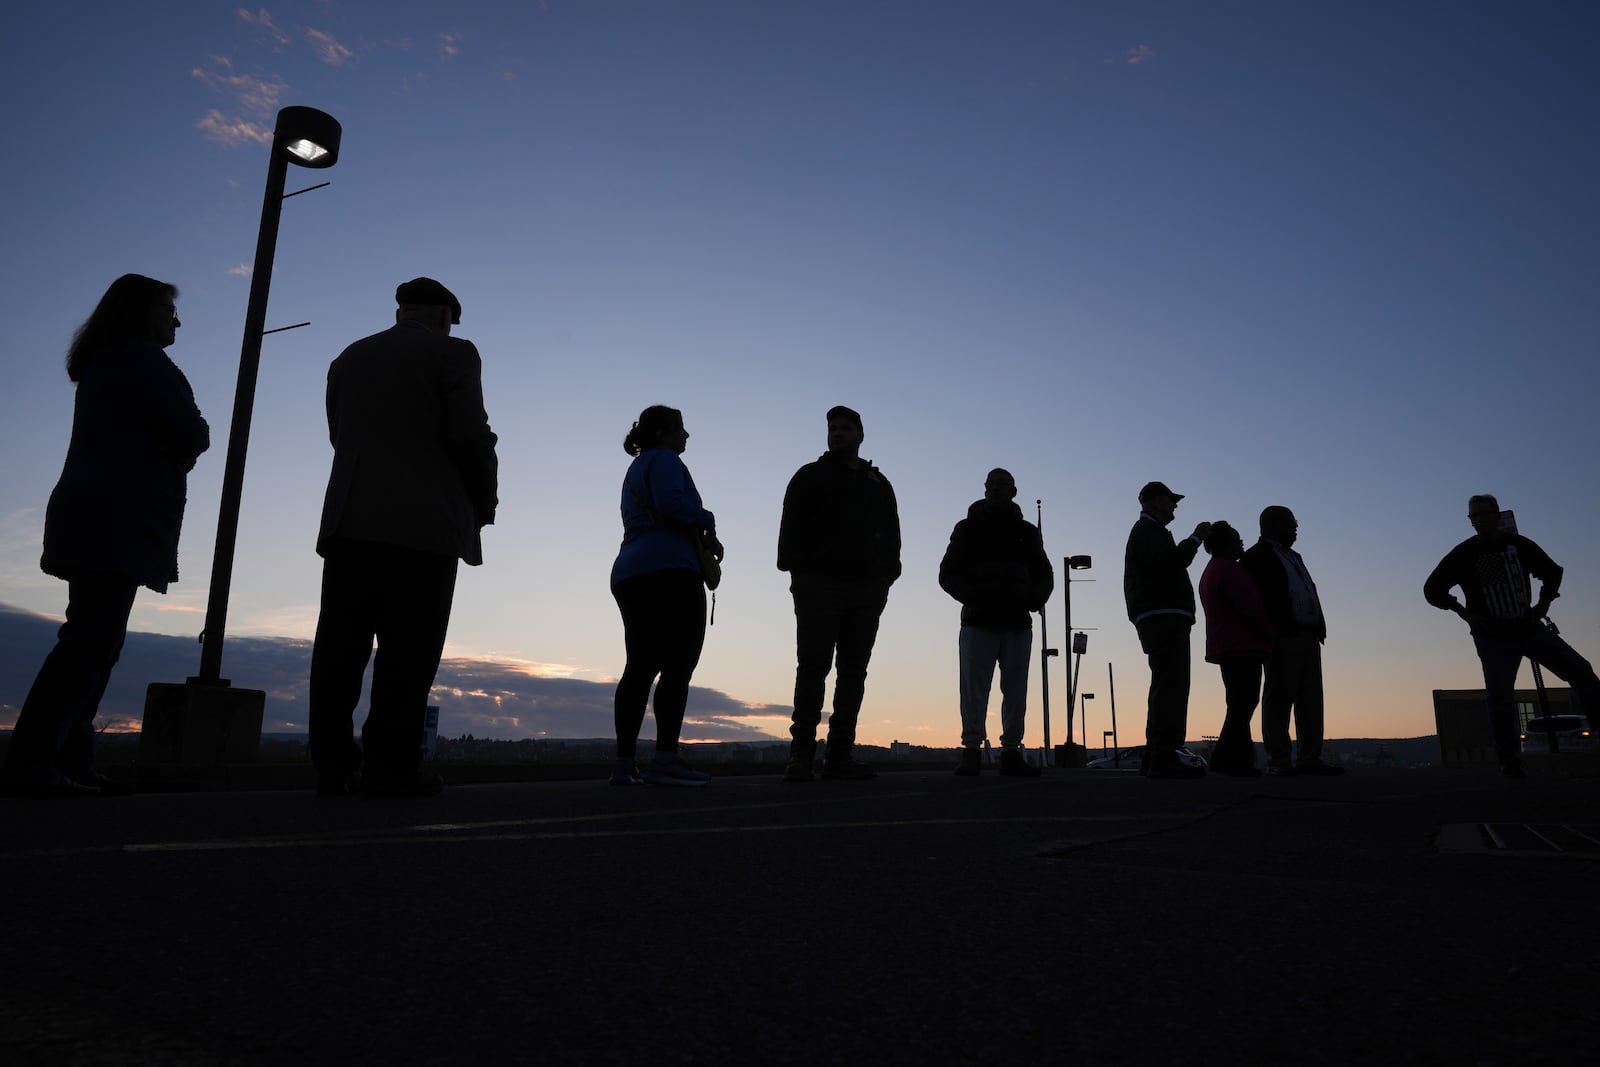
{"type": "Point", "coordinates": [205, 721]}
{"type": "Point", "coordinates": [1068, 565]}
{"type": "Point", "coordinates": [1045, 651]}
{"type": "Point", "coordinates": [293, 124]}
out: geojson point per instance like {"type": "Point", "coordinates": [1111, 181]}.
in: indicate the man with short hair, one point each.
{"type": "Point", "coordinates": [839, 539]}
{"type": "Point", "coordinates": [1294, 668]}
{"type": "Point", "coordinates": [996, 567]}
{"type": "Point", "coordinates": [1493, 567]}
{"type": "Point", "coordinates": [414, 480]}
{"type": "Point", "coordinates": [1160, 600]}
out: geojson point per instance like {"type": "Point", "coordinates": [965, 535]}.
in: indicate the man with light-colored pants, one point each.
{"type": "Point", "coordinates": [997, 568]}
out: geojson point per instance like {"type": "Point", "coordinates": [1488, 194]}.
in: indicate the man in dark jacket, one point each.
{"type": "Point", "coordinates": [1493, 567]}
{"type": "Point", "coordinates": [997, 568]}
{"type": "Point", "coordinates": [1294, 668]}
{"type": "Point", "coordinates": [839, 539]}
{"type": "Point", "coordinates": [1160, 600]}
{"type": "Point", "coordinates": [414, 480]}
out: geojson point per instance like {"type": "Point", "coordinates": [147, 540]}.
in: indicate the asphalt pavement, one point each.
{"type": "Point", "coordinates": [1420, 917]}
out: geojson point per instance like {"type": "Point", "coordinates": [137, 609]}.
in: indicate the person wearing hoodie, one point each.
{"type": "Point", "coordinates": [996, 567]}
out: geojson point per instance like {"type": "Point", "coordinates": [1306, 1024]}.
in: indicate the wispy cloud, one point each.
{"type": "Point", "coordinates": [328, 50]}
{"type": "Point", "coordinates": [1138, 54]}
{"type": "Point", "coordinates": [263, 22]}
{"type": "Point", "coordinates": [240, 271]}
{"type": "Point", "coordinates": [450, 45]}
{"type": "Point", "coordinates": [256, 96]}
{"type": "Point", "coordinates": [232, 131]}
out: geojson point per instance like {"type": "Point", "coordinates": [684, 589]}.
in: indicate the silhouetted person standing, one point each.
{"type": "Point", "coordinates": [1294, 669]}
{"type": "Point", "coordinates": [1160, 601]}
{"type": "Point", "coordinates": [111, 524]}
{"type": "Point", "coordinates": [414, 480]}
{"type": "Point", "coordinates": [1238, 640]}
{"type": "Point", "coordinates": [1494, 568]}
{"type": "Point", "coordinates": [996, 567]}
{"type": "Point", "coordinates": [660, 590]}
{"type": "Point", "coordinates": [839, 539]}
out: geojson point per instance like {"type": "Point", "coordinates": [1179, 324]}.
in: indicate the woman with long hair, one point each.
{"type": "Point", "coordinates": [660, 590]}
{"type": "Point", "coordinates": [111, 525]}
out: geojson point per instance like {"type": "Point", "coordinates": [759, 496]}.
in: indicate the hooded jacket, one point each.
{"type": "Point", "coordinates": [996, 567]}
{"type": "Point", "coordinates": [840, 522]}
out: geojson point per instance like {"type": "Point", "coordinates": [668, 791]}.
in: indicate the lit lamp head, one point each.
{"type": "Point", "coordinates": [308, 137]}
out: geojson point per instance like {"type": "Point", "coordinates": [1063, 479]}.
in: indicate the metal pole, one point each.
{"type": "Point", "coordinates": [1045, 651]}
{"type": "Point", "coordinates": [1111, 681]}
{"type": "Point", "coordinates": [244, 397]}
{"type": "Point", "coordinates": [1072, 688]}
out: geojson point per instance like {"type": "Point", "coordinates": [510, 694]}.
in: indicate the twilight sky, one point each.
{"type": "Point", "coordinates": [1336, 256]}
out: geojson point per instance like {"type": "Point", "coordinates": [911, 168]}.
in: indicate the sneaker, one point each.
{"type": "Point", "coordinates": [625, 773]}
{"type": "Point", "coordinates": [1281, 768]}
{"type": "Point", "coordinates": [798, 770]}
{"type": "Point", "coordinates": [1014, 762]}
{"type": "Point", "coordinates": [971, 763]}
{"type": "Point", "coordinates": [1318, 768]}
{"type": "Point", "coordinates": [847, 770]}
{"type": "Point", "coordinates": [672, 770]}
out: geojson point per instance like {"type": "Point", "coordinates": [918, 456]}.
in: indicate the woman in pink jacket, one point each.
{"type": "Point", "coordinates": [1238, 639]}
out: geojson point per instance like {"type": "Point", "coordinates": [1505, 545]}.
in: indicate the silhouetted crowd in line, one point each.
{"type": "Point", "coordinates": [414, 479]}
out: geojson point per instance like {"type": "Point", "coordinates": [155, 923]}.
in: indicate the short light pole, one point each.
{"type": "Point", "coordinates": [1086, 698]}
{"type": "Point", "coordinates": [205, 721]}
{"type": "Point", "coordinates": [1045, 652]}
{"type": "Point", "coordinates": [1071, 755]}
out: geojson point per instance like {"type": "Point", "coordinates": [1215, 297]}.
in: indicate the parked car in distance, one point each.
{"type": "Point", "coordinates": [1572, 735]}
{"type": "Point", "coordinates": [1128, 759]}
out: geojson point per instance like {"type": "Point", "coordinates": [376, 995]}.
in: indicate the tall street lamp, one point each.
{"type": "Point", "coordinates": [205, 721]}
{"type": "Point", "coordinates": [1071, 755]}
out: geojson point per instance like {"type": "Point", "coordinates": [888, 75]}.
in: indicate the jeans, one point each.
{"type": "Point", "coordinates": [981, 650]}
{"type": "Point", "coordinates": [55, 728]}
{"type": "Point", "coordinates": [836, 625]}
{"type": "Point", "coordinates": [1293, 684]}
{"type": "Point", "coordinates": [1502, 659]}
{"type": "Point", "coordinates": [1241, 686]}
{"type": "Point", "coordinates": [1165, 640]}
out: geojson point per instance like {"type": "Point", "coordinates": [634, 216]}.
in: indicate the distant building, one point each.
{"type": "Point", "coordinates": [1461, 717]}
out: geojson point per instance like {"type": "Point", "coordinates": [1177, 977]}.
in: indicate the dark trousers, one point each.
{"type": "Point", "coordinates": [401, 599]}
{"type": "Point", "coordinates": [1502, 659]}
{"type": "Point", "coordinates": [1165, 640]}
{"type": "Point", "coordinates": [664, 628]}
{"type": "Point", "coordinates": [1293, 686]}
{"type": "Point", "coordinates": [1241, 687]}
{"type": "Point", "coordinates": [55, 729]}
{"type": "Point", "coordinates": [836, 625]}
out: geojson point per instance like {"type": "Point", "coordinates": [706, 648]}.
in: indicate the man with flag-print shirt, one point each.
{"type": "Point", "coordinates": [1494, 568]}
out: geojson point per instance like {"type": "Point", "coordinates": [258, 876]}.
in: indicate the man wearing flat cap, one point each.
{"type": "Point", "coordinates": [996, 567]}
{"type": "Point", "coordinates": [414, 481]}
{"type": "Point", "coordinates": [1160, 600]}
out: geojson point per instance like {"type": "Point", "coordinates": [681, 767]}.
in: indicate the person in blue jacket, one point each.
{"type": "Point", "coordinates": [110, 527]}
{"type": "Point", "coordinates": [660, 591]}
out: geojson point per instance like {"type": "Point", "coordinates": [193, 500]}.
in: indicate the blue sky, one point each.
{"type": "Point", "coordinates": [1337, 256]}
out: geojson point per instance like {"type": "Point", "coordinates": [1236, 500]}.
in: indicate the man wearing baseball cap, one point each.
{"type": "Point", "coordinates": [1160, 600]}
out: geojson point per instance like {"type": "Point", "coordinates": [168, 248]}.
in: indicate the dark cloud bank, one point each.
{"type": "Point", "coordinates": [481, 697]}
